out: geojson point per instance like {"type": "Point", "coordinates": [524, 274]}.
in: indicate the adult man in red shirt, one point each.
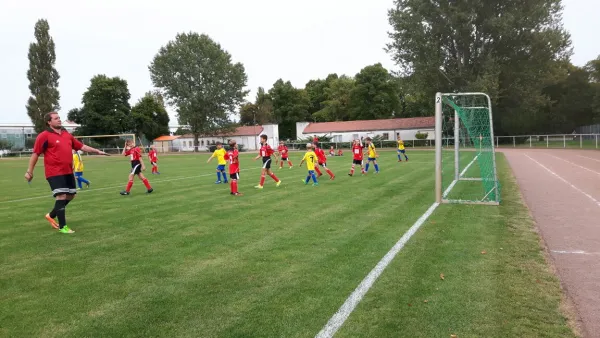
{"type": "Point", "coordinates": [357, 157]}
{"type": "Point", "coordinates": [322, 162]}
{"type": "Point", "coordinates": [232, 155]}
{"type": "Point", "coordinates": [56, 144]}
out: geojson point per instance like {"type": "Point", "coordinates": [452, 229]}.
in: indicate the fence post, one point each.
{"type": "Point", "coordinates": [580, 141]}
{"type": "Point", "coordinates": [564, 141]}
{"type": "Point", "coordinates": [497, 142]}
{"type": "Point", "coordinates": [547, 138]}
{"type": "Point", "coordinates": [529, 141]}
{"type": "Point", "coordinates": [596, 141]}
{"type": "Point", "coordinates": [514, 142]}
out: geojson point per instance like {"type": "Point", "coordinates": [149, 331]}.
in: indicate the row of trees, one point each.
{"type": "Point", "coordinates": [519, 53]}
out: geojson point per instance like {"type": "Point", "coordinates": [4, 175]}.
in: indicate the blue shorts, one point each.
{"type": "Point", "coordinates": [401, 151]}
{"type": "Point", "coordinates": [221, 167]}
{"type": "Point", "coordinates": [78, 173]}
{"type": "Point", "coordinates": [311, 172]}
{"type": "Point", "coordinates": [371, 159]}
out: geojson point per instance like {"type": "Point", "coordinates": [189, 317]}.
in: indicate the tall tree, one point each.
{"type": "Point", "coordinates": [106, 109]}
{"type": "Point", "coordinates": [150, 118]}
{"type": "Point", "coordinates": [290, 105]}
{"type": "Point", "coordinates": [508, 49]}
{"type": "Point", "coordinates": [198, 76]}
{"type": "Point", "coordinates": [42, 76]}
{"type": "Point", "coordinates": [315, 89]}
{"type": "Point", "coordinates": [336, 106]}
{"type": "Point", "coordinates": [375, 94]}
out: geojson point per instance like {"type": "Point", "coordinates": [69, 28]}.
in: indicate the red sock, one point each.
{"type": "Point", "coordinates": [274, 177]}
{"type": "Point", "coordinates": [329, 172]}
{"type": "Point", "coordinates": [146, 183]}
{"type": "Point", "coordinates": [262, 180]}
{"type": "Point", "coordinates": [281, 164]}
{"type": "Point", "coordinates": [290, 163]}
{"type": "Point", "coordinates": [234, 186]}
{"type": "Point", "coordinates": [129, 185]}
{"type": "Point", "coordinates": [318, 171]}
{"type": "Point", "coordinates": [153, 169]}
{"type": "Point", "coordinates": [352, 170]}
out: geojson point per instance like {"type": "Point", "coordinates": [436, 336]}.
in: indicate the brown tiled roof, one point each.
{"type": "Point", "coordinates": [370, 125]}
{"type": "Point", "coordinates": [239, 131]}
{"type": "Point", "coordinates": [166, 138]}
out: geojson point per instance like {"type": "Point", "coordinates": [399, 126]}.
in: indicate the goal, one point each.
{"type": "Point", "coordinates": [465, 160]}
{"type": "Point", "coordinates": [111, 144]}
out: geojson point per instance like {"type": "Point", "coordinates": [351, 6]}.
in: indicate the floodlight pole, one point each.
{"type": "Point", "coordinates": [438, 147]}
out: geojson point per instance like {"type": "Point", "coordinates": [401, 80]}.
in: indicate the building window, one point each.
{"type": "Point", "coordinates": [190, 144]}
{"type": "Point", "coordinates": [202, 142]}
{"type": "Point", "coordinates": [386, 136]}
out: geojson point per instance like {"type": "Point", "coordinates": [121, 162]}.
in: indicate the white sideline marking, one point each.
{"type": "Point", "coordinates": [338, 319]}
{"type": "Point", "coordinates": [590, 158]}
{"type": "Point", "coordinates": [447, 191]}
{"type": "Point", "coordinates": [577, 165]}
{"type": "Point", "coordinates": [567, 182]}
{"type": "Point", "coordinates": [578, 252]}
{"type": "Point", "coordinates": [116, 186]}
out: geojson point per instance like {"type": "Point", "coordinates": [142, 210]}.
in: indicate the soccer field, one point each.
{"type": "Point", "coordinates": [190, 260]}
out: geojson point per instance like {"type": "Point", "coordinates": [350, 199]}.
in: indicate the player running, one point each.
{"type": "Point", "coordinates": [153, 158]}
{"type": "Point", "coordinates": [357, 157]}
{"type": "Point", "coordinates": [78, 169]}
{"type": "Point", "coordinates": [265, 152]}
{"type": "Point", "coordinates": [232, 155]}
{"type": "Point", "coordinates": [311, 158]}
{"type": "Point", "coordinates": [322, 162]}
{"type": "Point", "coordinates": [401, 150]}
{"type": "Point", "coordinates": [137, 166]}
{"type": "Point", "coordinates": [372, 155]}
{"type": "Point", "coordinates": [283, 154]}
{"type": "Point", "coordinates": [219, 153]}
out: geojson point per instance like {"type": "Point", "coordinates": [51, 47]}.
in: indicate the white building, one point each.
{"type": "Point", "coordinates": [248, 136]}
{"type": "Point", "coordinates": [388, 129]}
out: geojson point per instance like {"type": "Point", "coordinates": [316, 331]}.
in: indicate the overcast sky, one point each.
{"type": "Point", "coordinates": [272, 38]}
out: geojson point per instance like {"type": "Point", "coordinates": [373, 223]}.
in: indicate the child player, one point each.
{"type": "Point", "coordinates": [265, 152]}
{"type": "Point", "coordinates": [78, 169]}
{"type": "Point", "coordinates": [311, 158]}
{"type": "Point", "coordinates": [137, 166]}
{"type": "Point", "coordinates": [219, 153]}
{"type": "Point", "coordinates": [372, 155]}
{"type": "Point", "coordinates": [357, 157]}
{"type": "Point", "coordinates": [283, 154]}
{"type": "Point", "coordinates": [232, 155]}
{"type": "Point", "coordinates": [401, 150]}
{"type": "Point", "coordinates": [322, 162]}
{"type": "Point", "coordinates": [153, 157]}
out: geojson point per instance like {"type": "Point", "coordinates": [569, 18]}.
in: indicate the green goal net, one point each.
{"type": "Point", "coordinates": [465, 155]}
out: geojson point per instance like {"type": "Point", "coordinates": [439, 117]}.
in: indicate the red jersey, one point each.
{"type": "Point", "coordinates": [57, 149]}
{"type": "Point", "coordinates": [234, 162]}
{"type": "Point", "coordinates": [135, 154]}
{"type": "Point", "coordinates": [153, 156]}
{"type": "Point", "coordinates": [321, 155]}
{"type": "Point", "coordinates": [266, 150]}
{"type": "Point", "coordinates": [357, 152]}
{"type": "Point", "coordinates": [283, 150]}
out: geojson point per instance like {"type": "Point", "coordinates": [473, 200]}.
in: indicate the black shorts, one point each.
{"type": "Point", "coordinates": [323, 164]}
{"type": "Point", "coordinates": [153, 163]}
{"type": "Point", "coordinates": [357, 162]}
{"type": "Point", "coordinates": [136, 167]}
{"type": "Point", "coordinates": [266, 163]}
{"type": "Point", "coordinates": [235, 176]}
{"type": "Point", "coordinates": [284, 158]}
{"type": "Point", "coordinates": [62, 184]}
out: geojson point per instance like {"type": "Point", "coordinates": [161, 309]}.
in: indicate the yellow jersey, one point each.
{"type": "Point", "coordinates": [220, 155]}
{"type": "Point", "coordinates": [400, 145]}
{"type": "Point", "coordinates": [77, 163]}
{"type": "Point", "coordinates": [310, 157]}
{"type": "Point", "coordinates": [372, 153]}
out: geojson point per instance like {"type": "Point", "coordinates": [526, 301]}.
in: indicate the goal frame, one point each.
{"type": "Point", "coordinates": [99, 136]}
{"type": "Point", "coordinates": [441, 196]}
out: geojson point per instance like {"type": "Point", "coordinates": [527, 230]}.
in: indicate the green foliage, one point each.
{"type": "Point", "coordinates": [258, 113]}
{"type": "Point", "coordinates": [199, 77]}
{"type": "Point", "coordinates": [511, 56]}
{"type": "Point", "coordinates": [336, 106]}
{"type": "Point", "coordinates": [5, 144]}
{"type": "Point", "coordinates": [150, 118]}
{"type": "Point", "coordinates": [375, 94]}
{"type": "Point", "coordinates": [182, 131]}
{"type": "Point", "coordinates": [421, 136]}
{"type": "Point", "coordinates": [106, 109]}
{"type": "Point", "coordinates": [290, 105]}
{"type": "Point", "coordinates": [43, 77]}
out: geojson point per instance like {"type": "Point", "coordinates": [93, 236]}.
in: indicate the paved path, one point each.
{"type": "Point", "coordinates": [562, 190]}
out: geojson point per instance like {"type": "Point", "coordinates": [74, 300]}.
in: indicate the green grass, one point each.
{"type": "Point", "coordinates": [190, 260]}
